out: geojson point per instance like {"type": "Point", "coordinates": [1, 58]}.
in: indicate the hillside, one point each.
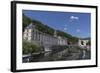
{"type": "Point", "coordinates": [46, 29]}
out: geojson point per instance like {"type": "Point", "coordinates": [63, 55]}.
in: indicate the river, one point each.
{"type": "Point", "coordinates": [58, 56]}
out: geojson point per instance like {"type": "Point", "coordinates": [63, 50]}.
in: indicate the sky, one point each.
{"type": "Point", "coordinates": [76, 24]}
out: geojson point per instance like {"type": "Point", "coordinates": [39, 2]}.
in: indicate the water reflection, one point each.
{"type": "Point", "coordinates": [61, 55]}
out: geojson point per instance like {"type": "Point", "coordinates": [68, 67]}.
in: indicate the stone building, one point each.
{"type": "Point", "coordinates": [83, 42]}
{"type": "Point", "coordinates": [44, 39]}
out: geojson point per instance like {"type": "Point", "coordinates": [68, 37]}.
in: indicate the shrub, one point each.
{"type": "Point", "coordinates": [30, 47]}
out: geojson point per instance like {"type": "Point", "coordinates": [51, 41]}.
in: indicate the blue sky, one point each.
{"type": "Point", "coordinates": [76, 24]}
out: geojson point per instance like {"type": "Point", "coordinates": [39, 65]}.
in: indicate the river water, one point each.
{"type": "Point", "coordinates": [58, 56]}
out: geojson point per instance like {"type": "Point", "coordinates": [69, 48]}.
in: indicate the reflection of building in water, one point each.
{"type": "Point", "coordinates": [44, 39]}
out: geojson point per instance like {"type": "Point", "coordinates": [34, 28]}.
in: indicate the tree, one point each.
{"type": "Point", "coordinates": [26, 21]}
{"type": "Point", "coordinates": [30, 47]}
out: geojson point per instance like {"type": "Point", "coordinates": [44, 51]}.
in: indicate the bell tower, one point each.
{"type": "Point", "coordinates": [55, 33]}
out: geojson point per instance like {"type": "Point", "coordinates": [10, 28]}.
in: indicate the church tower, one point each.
{"type": "Point", "coordinates": [55, 33]}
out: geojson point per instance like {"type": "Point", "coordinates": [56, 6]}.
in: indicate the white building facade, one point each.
{"type": "Point", "coordinates": [44, 39]}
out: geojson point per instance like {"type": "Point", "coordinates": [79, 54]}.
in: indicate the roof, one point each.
{"type": "Point", "coordinates": [30, 26]}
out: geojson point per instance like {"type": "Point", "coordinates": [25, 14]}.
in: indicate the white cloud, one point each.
{"type": "Point", "coordinates": [65, 28]}
{"type": "Point", "coordinates": [74, 18]}
{"type": "Point", "coordinates": [77, 30]}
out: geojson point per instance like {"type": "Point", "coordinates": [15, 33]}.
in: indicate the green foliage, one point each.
{"type": "Point", "coordinates": [26, 21]}
{"type": "Point", "coordinates": [70, 38]}
{"type": "Point", "coordinates": [30, 47]}
{"type": "Point", "coordinates": [44, 28]}
{"type": "Point", "coordinates": [60, 33]}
